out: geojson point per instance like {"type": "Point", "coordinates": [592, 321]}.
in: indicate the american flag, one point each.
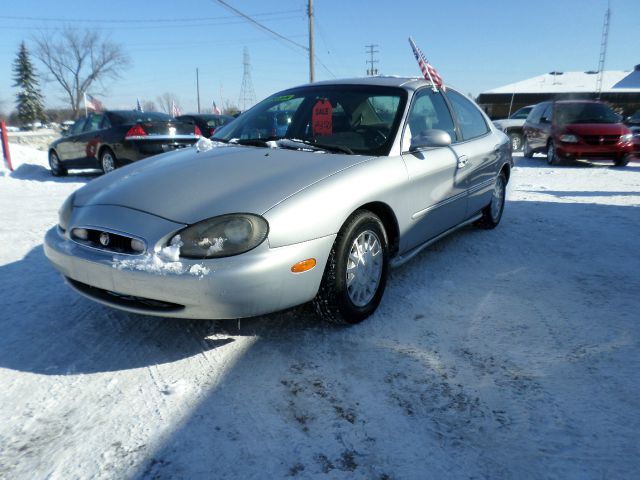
{"type": "Point", "coordinates": [428, 71]}
{"type": "Point", "coordinates": [214, 108]}
{"type": "Point", "coordinates": [92, 103]}
{"type": "Point", "coordinates": [175, 109]}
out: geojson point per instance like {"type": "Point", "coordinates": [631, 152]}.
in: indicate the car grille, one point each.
{"type": "Point", "coordinates": [601, 139]}
{"type": "Point", "coordinates": [126, 301]}
{"type": "Point", "coordinates": [106, 240]}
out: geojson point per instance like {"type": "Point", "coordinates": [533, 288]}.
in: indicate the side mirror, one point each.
{"type": "Point", "coordinates": [430, 139]}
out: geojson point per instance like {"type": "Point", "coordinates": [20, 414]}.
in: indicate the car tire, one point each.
{"type": "Point", "coordinates": [552, 157]}
{"type": "Point", "coordinates": [526, 149]}
{"type": "Point", "coordinates": [356, 273]}
{"type": "Point", "coordinates": [492, 213]}
{"type": "Point", "coordinates": [623, 161]}
{"type": "Point", "coordinates": [516, 141]}
{"type": "Point", "coordinates": [108, 160]}
{"type": "Point", "coordinates": [55, 165]}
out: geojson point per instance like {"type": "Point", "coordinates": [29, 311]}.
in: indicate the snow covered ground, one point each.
{"type": "Point", "coordinates": [511, 353]}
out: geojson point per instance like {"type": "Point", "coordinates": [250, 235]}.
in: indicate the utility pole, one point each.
{"type": "Point", "coordinates": [371, 50]}
{"type": "Point", "coordinates": [603, 50]}
{"type": "Point", "coordinates": [312, 73]}
{"type": "Point", "coordinates": [198, 88]}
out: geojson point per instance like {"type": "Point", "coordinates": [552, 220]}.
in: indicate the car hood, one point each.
{"type": "Point", "coordinates": [596, 128]}
{"type": "Point", "coordinates": [188, 186]}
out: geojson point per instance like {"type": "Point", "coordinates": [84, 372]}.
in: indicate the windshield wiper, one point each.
{"type": "Point", "coordinates": [295, 144]}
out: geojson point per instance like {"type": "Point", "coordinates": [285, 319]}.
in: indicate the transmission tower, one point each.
{"type": "Point", "coordinates": [603, 51]}
{"type": "Point", "coordinates": [247, 93]}
{"type": "Point", "coordinates": [371, 49]}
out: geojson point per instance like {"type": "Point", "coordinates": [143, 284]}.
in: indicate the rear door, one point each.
{"type": "Point", "coordinates": [478, 152]}
{"type": "Point", "coordinates": [435, 191]}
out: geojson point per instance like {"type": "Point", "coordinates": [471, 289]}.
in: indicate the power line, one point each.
{"type": "Point", "coordinates": [259, 25]}
{"type": "Point", "coordinates": [145, 20]}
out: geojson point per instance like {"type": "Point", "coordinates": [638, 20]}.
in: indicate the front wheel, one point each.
{"type": "Point", "coordinates": [492, 213]}
{"type": "Point", "coordinates": [108, 161]}
{"type": "Point", "coordinates": [623, 161]}
{"type": "Point", "coordinates": [552, 156]}
{"type": "Point", "coordinates": [526, 148]}
{"type": "Point", "coordinates": [55, 165]}
{"type": "Point", "coordinates": [356, 273]}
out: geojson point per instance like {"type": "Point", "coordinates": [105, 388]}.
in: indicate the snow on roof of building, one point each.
{"type": "Point", "coordinates": [571, 82]}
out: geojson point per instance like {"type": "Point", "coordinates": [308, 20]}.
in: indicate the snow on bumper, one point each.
{"type": "Point", "coordinates": [254, 283]}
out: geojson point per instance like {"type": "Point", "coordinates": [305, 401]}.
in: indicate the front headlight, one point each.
{"type": "Point", "coordinates": [64, 213]}
{"type": "Point", "coordinates": [223, 236]}
{"type": "Point", "coordinates": [626, 138]}
{"type": "Point", "coordinates": [567, 138]}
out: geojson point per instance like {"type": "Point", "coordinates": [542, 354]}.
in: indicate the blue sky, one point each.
{"type": "Point", "coordinates": [475, 45]}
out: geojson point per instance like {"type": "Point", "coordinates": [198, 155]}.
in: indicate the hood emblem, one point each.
{"type": "Point", "coordinates": [105, 239]}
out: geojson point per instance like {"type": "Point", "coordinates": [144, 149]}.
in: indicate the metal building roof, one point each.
{"type": "Point", "coordinates": [618, 81]}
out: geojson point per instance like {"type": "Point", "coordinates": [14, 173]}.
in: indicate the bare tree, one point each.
{"type": "Point", "coordinates": [166, 101]}
{"type": "Point", "coordinates": [77, 60]}
{"type": "Point", "coordinates": [149, 106]}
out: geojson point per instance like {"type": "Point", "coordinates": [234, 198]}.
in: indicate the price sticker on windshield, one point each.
{"type": "Point", "coordinates": [321, 118]}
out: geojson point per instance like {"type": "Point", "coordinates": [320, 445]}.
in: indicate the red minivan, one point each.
{"type": "Point", "coordinates": [573, 129]}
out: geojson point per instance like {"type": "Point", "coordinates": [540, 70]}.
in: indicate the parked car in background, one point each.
{"type": "Point", "coordinates": [633, 122]}
{"type": "Point", "coordinates": [512, 126]}
{"type": "Point", "coordinates": [369, 173]}
{"type": "Point", "coordinates": [207, 123]}
{"type": "Point", "coordinates": [577, 129]}
{"type": "Point", "coordinates": [114, 138]}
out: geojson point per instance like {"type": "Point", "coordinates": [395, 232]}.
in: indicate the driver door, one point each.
{"type": "Point", "coordinates": [436, 192]}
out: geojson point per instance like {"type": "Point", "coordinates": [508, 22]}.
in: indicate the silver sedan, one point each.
{"type": "Point", "coordinates": [309, 196]}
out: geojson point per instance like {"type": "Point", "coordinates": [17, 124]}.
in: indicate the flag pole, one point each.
{"type": "Point", "coordinates": [418, 53]}
{"type": "Point", "coordinates": [86, 112]}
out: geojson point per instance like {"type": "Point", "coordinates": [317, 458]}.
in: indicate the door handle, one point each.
{"type": "Point", "coordinates": [462, 161]}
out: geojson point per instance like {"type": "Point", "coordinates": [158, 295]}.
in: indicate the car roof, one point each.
{"type": "Point", "coordinates": [409, 83]}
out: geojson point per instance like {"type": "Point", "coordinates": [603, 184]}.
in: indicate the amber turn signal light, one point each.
{"type": "Point", "coordinates": [304, 265]}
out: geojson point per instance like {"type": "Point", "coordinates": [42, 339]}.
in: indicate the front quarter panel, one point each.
{"type": "Point", "coordinates": [322, 208]}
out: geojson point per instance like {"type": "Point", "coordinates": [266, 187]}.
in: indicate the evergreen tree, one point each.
{"type": "Point", "coordinates": [29, 98]}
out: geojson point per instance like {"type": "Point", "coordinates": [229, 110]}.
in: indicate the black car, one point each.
{"type": "Point", "coordinates": [114, 138]}
{"type": "Point", "coordinates": [207, 123]}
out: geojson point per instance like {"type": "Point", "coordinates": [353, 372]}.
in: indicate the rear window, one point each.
{"type": "Point", "coordinates": [139, 117]}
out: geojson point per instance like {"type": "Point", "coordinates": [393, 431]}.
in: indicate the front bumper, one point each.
{"type": "Point", "coordinates": [582, 150]}
{"type": "Point", "coordinates": [254, 283]}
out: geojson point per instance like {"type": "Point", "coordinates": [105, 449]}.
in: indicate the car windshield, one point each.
{"type": "Point", "coordinates": [335, 118]}
{"type": "Point", "coordinates": [585, 113]}
{"type": "Point", "coordinates": [521, 114]}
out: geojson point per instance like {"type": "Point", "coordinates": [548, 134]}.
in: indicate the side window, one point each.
{"type": "Point", "coordinates": [546, 116]}
{"type": "Point", "coordinates": [77, 127]}
{"type": "Point", "coordinates": [470, 119]}
{"type": "Point", "coordinates": [429, 111]}
{"type": "Point", "coordinates": [536, 113]}
{"type": "Point", "coordinates": [94, 123]}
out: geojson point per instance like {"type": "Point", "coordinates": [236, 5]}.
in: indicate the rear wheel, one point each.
{"type": "Point", "coordinates": [108, 161]}
{"type": "Point", "coordinates": [552, 156]}
{"type": "Point", "coordinates": [57, 169]}
{"type": "Point", "coordinates": [492, 213]}
{"type": "Point", "coordinates": [356, 272]}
